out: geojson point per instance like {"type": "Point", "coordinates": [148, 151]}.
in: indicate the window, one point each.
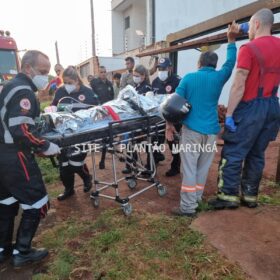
{"type": "Point", "coordinates": [126, 22]}
{"type": "Point", "coordinates": [8, 63]}
{"type": "Point", "coordinates": [85, 70]}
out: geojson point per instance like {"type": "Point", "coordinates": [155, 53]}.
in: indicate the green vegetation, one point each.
{"type": "Point", "coordinates": [50, 173]}
{"type": "Point", "coordinates": [270, 193]}
{"type": "Point", "coordinates": [43, 105]}
{"type": "Point", "coordinates": [143, 246]}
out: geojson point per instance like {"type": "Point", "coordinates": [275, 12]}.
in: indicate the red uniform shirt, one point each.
{"type": "Point", "coordinates": [269, 46]}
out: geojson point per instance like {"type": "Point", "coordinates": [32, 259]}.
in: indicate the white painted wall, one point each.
{"type": "Point", "coordinates": [172, 16]}
{"type": "Point", "coordinates": [112, 63]}
{"type": "Point", "coordinates": [117, 32]}
{"type": "Point", "coordinates": [137, 13]}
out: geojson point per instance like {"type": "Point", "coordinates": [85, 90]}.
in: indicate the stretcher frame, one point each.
{"type": "Point", "coordinates": [143, 128]}
{"type": "Point", "coordinates": [136, 165]}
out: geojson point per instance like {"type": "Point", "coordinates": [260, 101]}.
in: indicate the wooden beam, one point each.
{"type": "Point", "coordinates": [220, 22]}
{"type": "Point", "coordinates": [207, 41]}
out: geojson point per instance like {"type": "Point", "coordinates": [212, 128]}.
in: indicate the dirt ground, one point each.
{"type": "Point", "coordinates": [253, 234]}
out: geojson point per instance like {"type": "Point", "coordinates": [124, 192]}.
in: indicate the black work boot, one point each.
{"type": "Point", "coordinates": [249, 195]}
{"type": "Point", "coordinates": [67, 178]}
{"type": "Point", "coordinates": [87, 183]}
{"type": "Point", "coordinates": [127, 169]}
{"type": "Point", "coordinates": [6, 236]}
{"type": "Point", "coordinates": [84, 174]}
{"type": "Point", "coordinates": [23, 253]}
{"type": "Point", "coordinates": [172, 172]}
{"type": "Point", "coordinates": [158, 156]}
{"type": "Point", "coordinates": [249, 204]}
{"type": "Point", "coordinates": [6, 254]}
{"type": "Point", "coordinates": [67, 193]}
{"type": "Point", "coordinates": [101, 165]}
{"type": "Point", "coordinates": [219, 204]}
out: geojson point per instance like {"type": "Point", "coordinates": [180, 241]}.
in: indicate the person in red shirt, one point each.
{"type": "Point", "coordinates": [253, 115]}
{"type": "Point", "coordinates": [55, 83]}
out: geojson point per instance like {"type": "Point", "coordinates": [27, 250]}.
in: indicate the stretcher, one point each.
{"type": "Point", "coordinates": [118, 137]}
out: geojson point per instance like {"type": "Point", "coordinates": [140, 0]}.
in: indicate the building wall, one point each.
{"type": "Point", "coordinates": [124, 40]}
{"type": "Point", "coordinates": [117, 32]}
{"type": "Point", "coordinates": [172, 16]}
{"type": "Point", "coordinates": [91, 66]}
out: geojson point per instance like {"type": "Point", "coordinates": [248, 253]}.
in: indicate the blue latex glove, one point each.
{"type": "Point", "coordinates": [53, 87]}
{"type": "Point", "coordinates": [229, 124]}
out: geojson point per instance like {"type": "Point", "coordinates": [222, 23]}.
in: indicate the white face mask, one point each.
{"type": "Point", "coordinates": [137, 80]}
{"type": "Point", "coordinates": [40, 81]}
{"type": "Point", "coordinates": [70, 88]}
{"type": "Point", "coordinates": [163, 75]}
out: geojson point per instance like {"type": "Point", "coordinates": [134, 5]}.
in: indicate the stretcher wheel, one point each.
{"type": "Point", "coordinates": [95, 202]}
{"type": "Point", "coordinates": [161, 190]}
{"type": "Point", "coordinates": [127, 209]}
{"type": "Point", "coordinates": [131, 183]}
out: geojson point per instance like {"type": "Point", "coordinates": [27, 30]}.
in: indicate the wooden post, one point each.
{"type": "Point", "coordinates": [278, 167]}
{"type": "Point", "coordinates": [57, 53]}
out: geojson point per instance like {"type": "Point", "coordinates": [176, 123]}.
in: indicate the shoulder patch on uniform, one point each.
{"type": "Point", "coordinates": [25, 104]}
{"type": "Point", "coordinates": [168, 88]}
{"type": "Point", "coordinates": [82, 97]}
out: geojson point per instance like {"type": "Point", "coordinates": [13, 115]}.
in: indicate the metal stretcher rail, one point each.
{"type": "Point", "coordinates": [130, 132]}
{"type": "Point", "coordinates": [148, 131]}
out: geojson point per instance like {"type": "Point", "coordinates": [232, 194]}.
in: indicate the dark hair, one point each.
{"type": "Point", "coordinates": [117, 76]}
{"type": "Point", "coordinates": [58, 65]}
{"type": "Point", "coordinates": [129, 58]}
{"type": "Point", "coordinates": [208, 59]}
{"type": "Point", "coordinates": [31, 58]}
{"type": "Point", "coordinates": [72, 73]}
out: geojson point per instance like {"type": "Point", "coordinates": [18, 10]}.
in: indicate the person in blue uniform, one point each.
{"type": "Point", "coordinates": [73, 92]}
{"type": "Point", "coordinates": [253, 116]}
{"type": "Point", "coordinates": [105, 92]}
{"type": "Point", "coordinates": [166, 83]}
{"type": "Point", "coordinates": [102, 86]}
{"type": "Point", "coordinates": [21, 182]}
{"type": "Point", "coordinates": [141, 79]}
{"type": "Point", "coordinates": [142, 86]}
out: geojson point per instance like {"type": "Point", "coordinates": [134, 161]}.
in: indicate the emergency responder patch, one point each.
{"type": "Point", "coordinates": [25, 104]}
{"type": "Point", "coordinates": [82, 97]}
{"type": "Point", "coordinates": [168, 88]}
{"type": "Point", "coordinates": [162, 60]}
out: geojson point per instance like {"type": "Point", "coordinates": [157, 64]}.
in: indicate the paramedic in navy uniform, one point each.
{"type": "Point", "coordinates": [73, 92]}
{"type": "Point", "coordinates": [21, 181]}
{"type": "Point", "coordinates": [166, 83]}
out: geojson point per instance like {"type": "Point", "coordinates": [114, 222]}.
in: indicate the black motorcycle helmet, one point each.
{"type": "Point", "coordinates": [175, 108]}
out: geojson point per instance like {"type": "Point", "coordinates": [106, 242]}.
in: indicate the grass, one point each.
{"type": "Point", "coordinates": [43, 105]}
{"type": "Point", "coordinates": [50, 173]}
{"type": "Point", "coordinates": [270, 193]}
{"type": "Point", "coordinates": [144, 246]}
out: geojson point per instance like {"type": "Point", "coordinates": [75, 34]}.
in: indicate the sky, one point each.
{"type": "Point", "coordinates": [37, 24]}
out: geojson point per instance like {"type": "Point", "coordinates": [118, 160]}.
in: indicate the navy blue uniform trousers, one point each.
{"type": "Point", "coordinates": [243, 155]}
